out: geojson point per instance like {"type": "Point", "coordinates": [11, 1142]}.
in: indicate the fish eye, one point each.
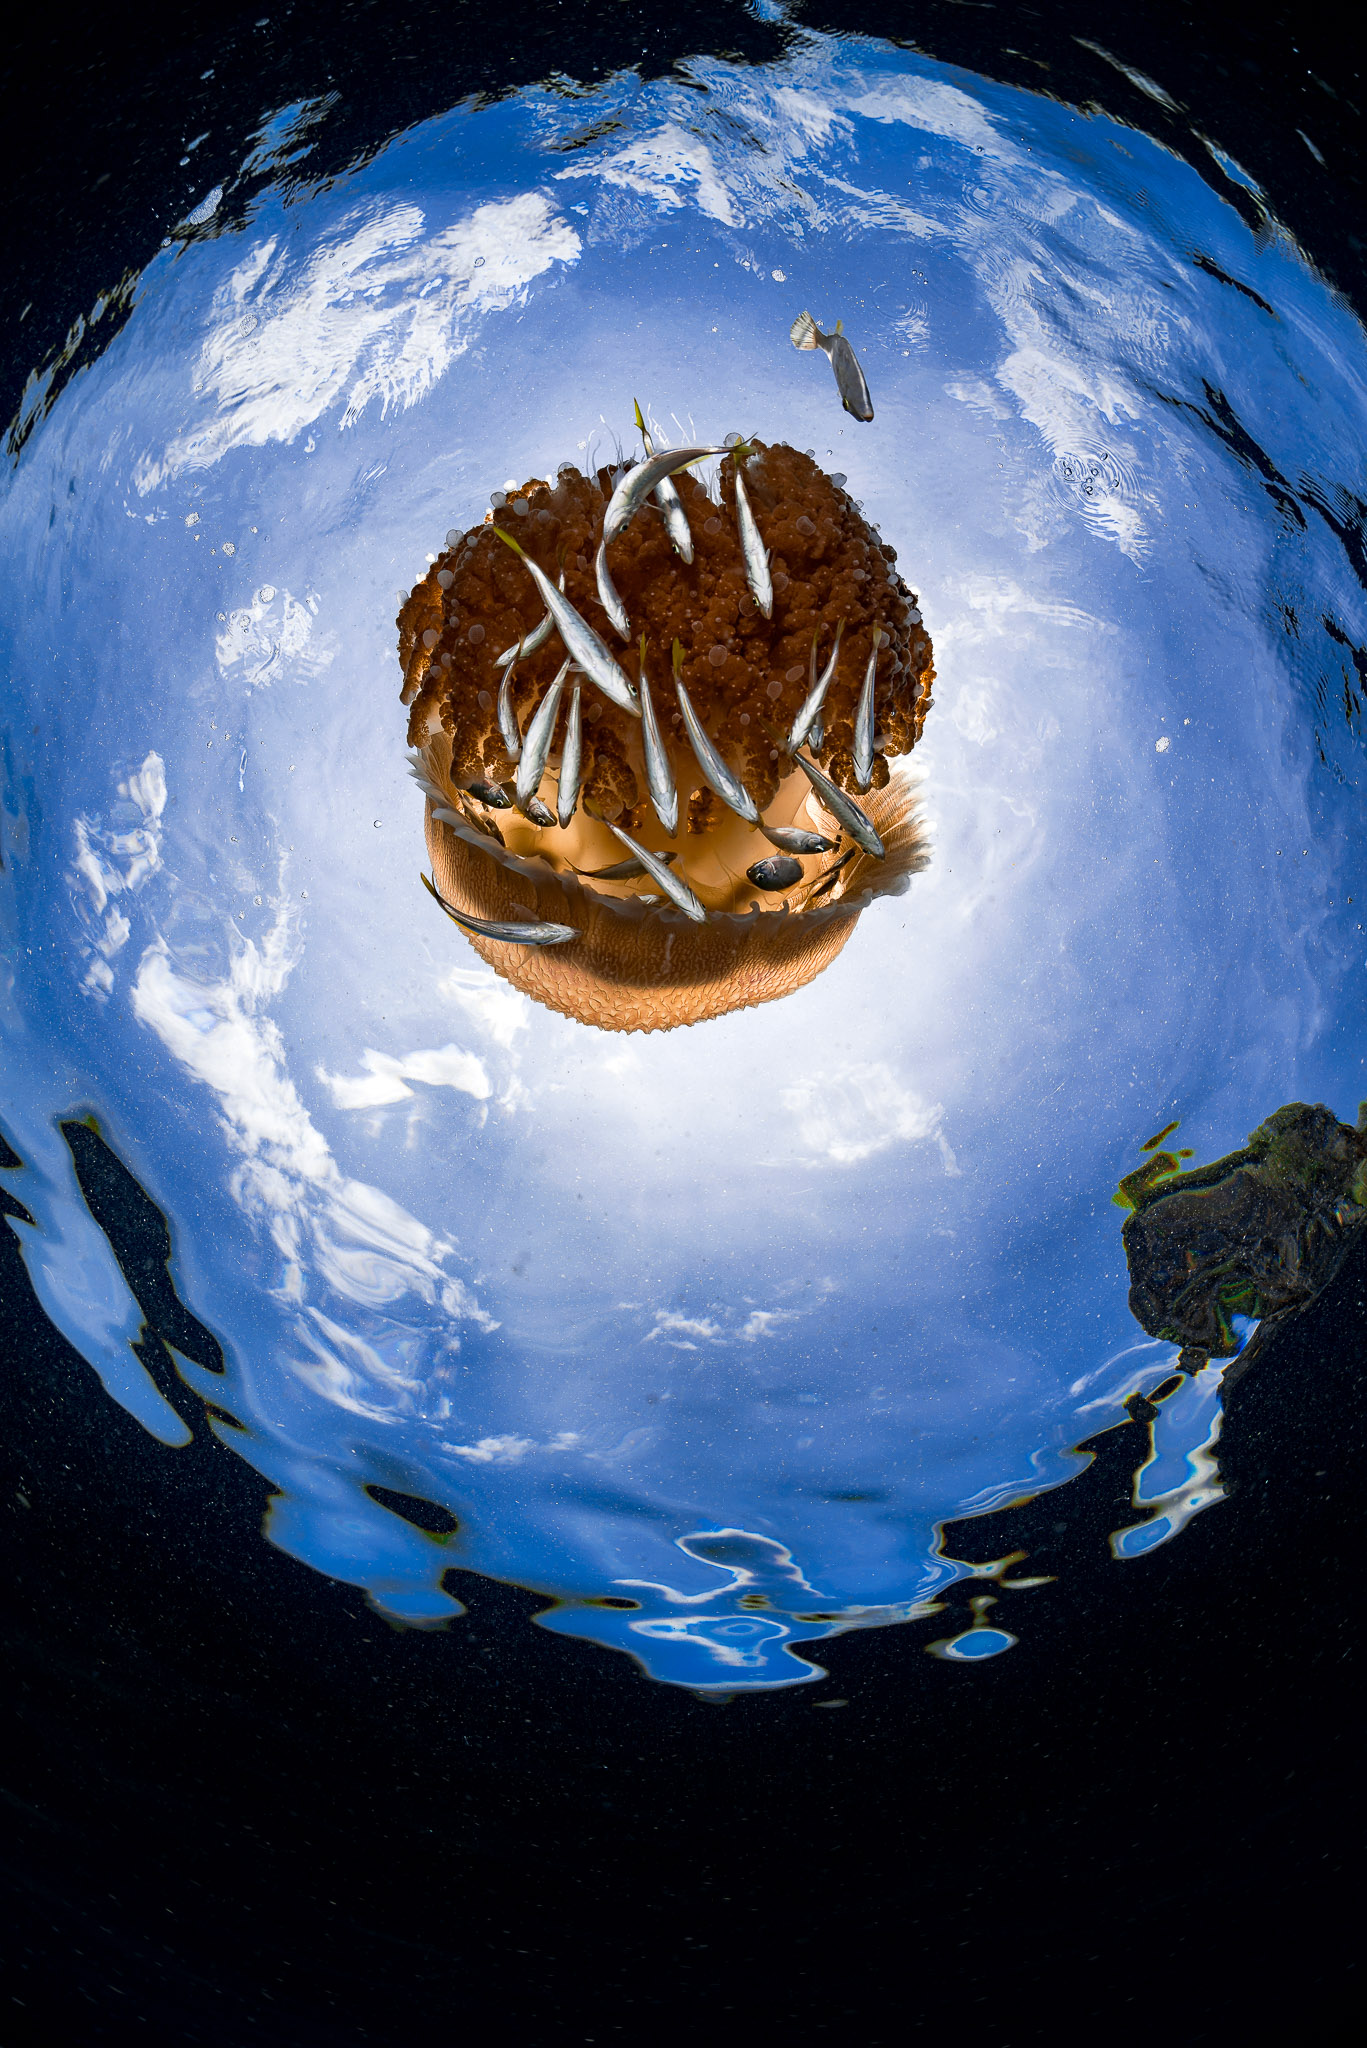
{"type": "Point", "coordinates": [678, 760]}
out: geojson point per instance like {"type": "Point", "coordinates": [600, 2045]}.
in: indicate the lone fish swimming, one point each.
{"type": "Point", "coordinates": [849, 378]}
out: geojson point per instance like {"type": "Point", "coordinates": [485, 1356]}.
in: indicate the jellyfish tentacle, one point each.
{"type": "Point", "coordinates": [536, 743]}
{"type": "Point", "coordinates": [863, 719]}
{"type": "Point", "coordinates": [571, 761]}
{"type": "Point", "coordinates": [816, 696]}
{"type": "Point", "coordinates": [728, 786]}
{"type": "Point", "coordinates": [843, 809]}
{"type": "Point", "coordinates": [673, 885]}
{"type": "Point", "coordinates": [533, 933]}
{"type": "Point", "coordinates": [825, 883]}
{"type": "Point", "coordinates": [664, 793]}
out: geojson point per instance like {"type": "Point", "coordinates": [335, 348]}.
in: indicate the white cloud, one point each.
{"type": "Point", "coordinates": [499, 1011]}
{"type": "Point", "coordinates": [688, 1333]}
{"type": "Point", "coordinates": [671, 167]}
{"type": "Point", "coordinates": [111, 862]}
{"type": "Point", "coordinates": [353, 1237]}
{"type": "Point", "coordinates": [851, 1115]}
{"type": "Point", "coordinates": [995, 598]}
{"type": "Point", "coordinates": [763, 1322]}
{"type": "Point", "coordinates": [938, 109]}
{"type": "Point", "coordinates": [387, 1076]}
{"type": "Point", "coordinates": [379, 313]}
{"type": "Point", "coordinates": [510, 1450]}
{"type": "Point", "coordinates": [678, 1330]}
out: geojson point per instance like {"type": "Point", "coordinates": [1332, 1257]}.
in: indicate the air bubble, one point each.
{"type": "Point", "coordinates": [839, 479]}
{"type": "Point", "coordinates": [716, 655]}
{"type": "Point", "coordinates": [453, 538]}
{"type": "Point", "coordinates": [430, 638]}
{"type": "Point", "coordinates": [475, 634]}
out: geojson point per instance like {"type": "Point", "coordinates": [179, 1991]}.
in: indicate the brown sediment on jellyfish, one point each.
{"type": "Point", "coordinates": [638, 962]}
{"type": "Point", "coordinates": [1254, 1234]}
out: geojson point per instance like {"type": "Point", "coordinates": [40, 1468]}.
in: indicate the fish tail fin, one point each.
{"type": "Point", "coordinates": [840, 327]}
{"type": "Point", "coordinates": [516, 546]}
{"type": "Point", "coordinates": [640, 423]}
{"type": "Point", "coordinates": [804, 332]}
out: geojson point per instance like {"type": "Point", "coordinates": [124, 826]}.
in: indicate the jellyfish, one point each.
{"type": "Point", "coordinates": [686, 812]}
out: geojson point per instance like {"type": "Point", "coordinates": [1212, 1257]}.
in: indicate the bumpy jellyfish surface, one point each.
{"type": "Point", "coordinates": [687, 811]}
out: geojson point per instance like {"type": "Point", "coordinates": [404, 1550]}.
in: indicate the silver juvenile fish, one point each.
{"type": "Point", "coordinates": [638, 483]}
{"type": "Point", "coordinates": [582, 644]}
{"type": "Point", "coordinates": [791, 839]}
{"type": "Point", "coordinates": [536, 744]}
{"type": "Point", "coordinates": [571, 762]}
{"type": "Point", "coordinates": [675, 889]}
{"type": "Point", "coordinates": [664, 794]}
{"type": "Point", "coordinates": [816, 696]}
{"type": "Point", "coordinates": [608, 595]}
{"type": "Point", "coordinates": [669, 501]}
{"type": "Point", "coordinates": [532, 934]}
{"type": "Point", "coordinates": [863, 719]}
{"type": "Point", "coordinates": [753, 551]}
{"type": "Point", "coordinates": [621, 871]}
{"type": "Point", "coordinates": [507, 717]}
{"type": "Point", "coordinates": [843, 808]}
{"type": "Point", "coordinates": [538, 637]}
{"type": "Point", "coordinates": [729, 787]}
{"type": "Point", "coordinates": [849, 378]}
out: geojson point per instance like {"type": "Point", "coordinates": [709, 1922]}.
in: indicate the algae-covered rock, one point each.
{"type": "Point", "coordinates": [1251, 1234]}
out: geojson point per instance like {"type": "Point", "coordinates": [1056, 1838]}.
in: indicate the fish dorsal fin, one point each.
{"type": "Point", "coordinates": [840, 327]}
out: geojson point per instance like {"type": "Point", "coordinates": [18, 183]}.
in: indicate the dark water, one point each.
{"type": "Point", "coordinates": [1122, 452]}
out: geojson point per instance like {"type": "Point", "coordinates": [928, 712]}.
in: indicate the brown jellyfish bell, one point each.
{"type": "Point", "coordinates": [660, 766]}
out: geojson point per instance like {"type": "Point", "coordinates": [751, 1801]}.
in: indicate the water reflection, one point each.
{"type": "Point", "coordinates": [705, 1335]}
